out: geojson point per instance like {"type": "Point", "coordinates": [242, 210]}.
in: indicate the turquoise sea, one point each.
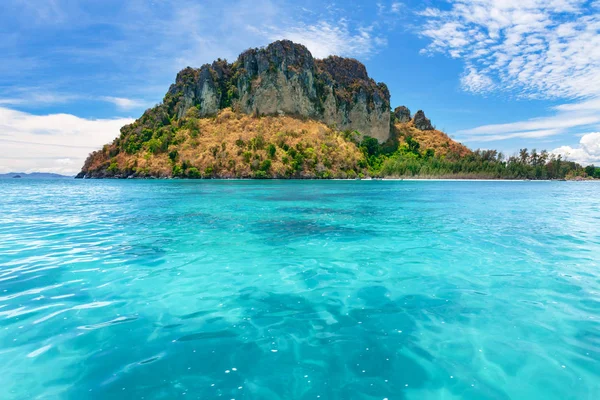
{"type": "Point", "coordinates": [299, 290]}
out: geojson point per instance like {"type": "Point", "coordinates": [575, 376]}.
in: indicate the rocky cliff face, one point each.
{"type": "Point", "coordinates": [421, 122]}
{"type": "Point", "coordinates": [284, 78]}
{"type": "Point", "coordinates": [402, 114]}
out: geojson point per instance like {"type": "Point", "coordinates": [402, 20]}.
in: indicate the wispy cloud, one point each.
{"type": "Point", "coordinates": [124, 103]}
{"type": "Point", "coordinates": [535, 48]}
{"type": "Point", "coordinates": [592, 104]}
{"type": "Point", "coordinates": [325, 38]}
{"type": "Point", "coordinates": [44, 142]}
{"type": "Point", "coordinates": [396, 7]}
{"type": "Point", "coordinates": [32, 97]}
{"type": "Point", "coordinates": [552, 123]}
{"type": "Point", "coordinates": [42, 12]}
{"type": "Point", "coordinates": [568, 117]}
{"type": "Point", "coordinates": [169, 35]}
{"type": "Point", "coordinates": [476, 81]}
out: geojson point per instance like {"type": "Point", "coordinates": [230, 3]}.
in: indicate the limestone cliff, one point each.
{"type": "Point", "coordinates": [284, 78]}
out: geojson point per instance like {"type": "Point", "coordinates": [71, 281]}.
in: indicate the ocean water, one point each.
{"type": "Point", "coordinates": [299, 290]}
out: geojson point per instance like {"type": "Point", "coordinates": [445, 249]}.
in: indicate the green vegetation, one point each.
{"type": "Point", "coordinates": [592, 171]}
{"type": "Point", "coordinates": [271, 149]}
{"type": "Point", "coordinates": [411, 161]}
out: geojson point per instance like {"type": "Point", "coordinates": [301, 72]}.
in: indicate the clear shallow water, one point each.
{"type": "Point", "coordinates": [299, 290]}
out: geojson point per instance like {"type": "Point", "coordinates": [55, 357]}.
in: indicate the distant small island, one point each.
{"type": "Point", "coordinates": [33, 175]}
{"type": "Point", "coordinates": [277, 112]}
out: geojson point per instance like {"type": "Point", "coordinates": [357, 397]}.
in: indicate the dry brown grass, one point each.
{"type": "Point", "coordinates": [224, 144]}
{"type": "Point", "coordinates": [234, 145]}
{"type": "Point", "coordinates": [434, 139]}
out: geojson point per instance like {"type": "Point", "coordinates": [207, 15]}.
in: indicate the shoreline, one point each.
{"type": "Point", "coordinates": [349, 180]}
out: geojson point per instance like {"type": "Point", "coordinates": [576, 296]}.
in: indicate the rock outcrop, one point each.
{"type": "Point", "coordinates": [284, 78]}
{"type": "Point", "coordinates": [421, 122]}
{"type": "Point", "coordinates": [402, 114]}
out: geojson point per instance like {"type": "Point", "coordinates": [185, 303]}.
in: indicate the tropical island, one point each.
{"type": "Point", "coordinates": [277, 112]}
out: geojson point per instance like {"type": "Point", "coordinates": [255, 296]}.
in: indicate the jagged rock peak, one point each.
{"type": "Point", "coordinates": [281, 54]}
{"type": "Point", "coordinates": [345, 71]}
{"type": "Point", "coordinates": [421, 122]}
{"type": "Point", "coordinates": [402, 114]}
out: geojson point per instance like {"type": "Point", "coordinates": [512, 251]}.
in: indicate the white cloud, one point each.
{"type": "Point", "coordinates": [536, 134]}
{"type": "Point", "coordinates": [325, 38]}
{"type": "Point", "coordinates": [44, 12]}
{"type": "Point", "coordinates": [65, 161]}
{"type": "Point", "coordinates": [556, 123]}
{"type": "Point", "coordinates": [51, 143]}
{"type": "Point", "coordinates": [167, 35]}
{"type": "Point", "coordinates": [591, 143]}
{"type": "Point", "coordinates": [125, 104]}
{"type": "Point", "coordinates": [396, 7]}
{"type": "Point", "coordinates": [592, 104]}
{"type": "Point", "coordinates": [198, 34]}
{"type": "Point", "coordinates": [542, 49]}
{"type": "Point", "coordinates": [475, 81]}
{"type": "Point", "coordinates": [191, 33]}
{"type": "Point", "coordinates": [536, 48]}
{"type": "Point", "coordinates": [32, 97]}
{"type": "Point", "coordinates": [588, 151]}
{"type": "Point", "coordinates": [567, 117]}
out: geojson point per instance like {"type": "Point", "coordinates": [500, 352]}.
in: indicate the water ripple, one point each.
{"type": "Point", "coordinates": [279, 290]}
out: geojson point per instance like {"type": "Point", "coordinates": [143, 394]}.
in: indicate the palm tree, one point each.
{"type": "Point", "coordinates": [524, 156]}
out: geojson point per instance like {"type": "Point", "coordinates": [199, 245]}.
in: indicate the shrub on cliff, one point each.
{"type": "Point", "coordinates": [271, 150]}
{"type": "Point", "coordinates": [193, 173]}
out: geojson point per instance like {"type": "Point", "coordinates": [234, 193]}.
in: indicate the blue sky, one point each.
{"type": "Point", "coordinates": [501, 74]}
